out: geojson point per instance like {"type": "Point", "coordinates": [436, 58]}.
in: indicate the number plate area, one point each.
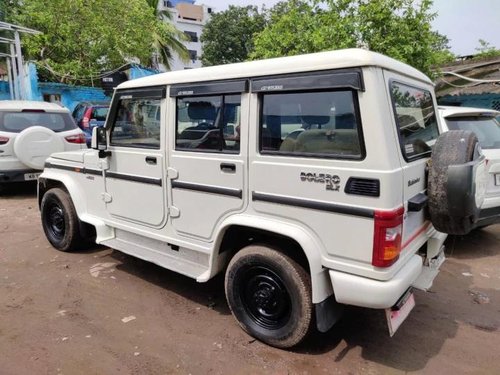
{"type": "Point", "coordinates": [31, 176]}
{"type": "Point", "coordinates": [397, 314]}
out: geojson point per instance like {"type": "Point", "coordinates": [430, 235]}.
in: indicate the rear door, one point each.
{"type": "Point", "coordinates": [416, 125]}
{"type": "Point", "coordinates": [135, 188]}
{"type": "Point", "coordinates": [207, 162]}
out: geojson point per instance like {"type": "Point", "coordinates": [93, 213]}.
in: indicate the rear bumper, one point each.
{"type": "Point", "coordinates": [488, 216]}
{"type": "Point", "coordinates": [360, 291]}
{"type": "Point", "coordinates": [16, 175]}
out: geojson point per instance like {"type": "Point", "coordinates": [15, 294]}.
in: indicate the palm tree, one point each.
{"type": "Point", "coordinates": [167, 38]}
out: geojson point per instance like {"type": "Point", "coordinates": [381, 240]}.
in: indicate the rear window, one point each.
{"type": "Point", "coordinates": [311, 124]}
{"type": "Point", "coordinates": [16, 122]}
{"type": "Point", "coordinates": [100, 113]}
{"type": "Point", "coordinates": [487, 129]}
{"type": "Point", "coordinates": [415, 118]}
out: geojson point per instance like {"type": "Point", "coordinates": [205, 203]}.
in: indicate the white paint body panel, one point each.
{"type": "Point", "coordinates": [338, 247]}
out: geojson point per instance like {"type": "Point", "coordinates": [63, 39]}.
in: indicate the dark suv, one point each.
{"type": "Point", "coordinates": [89, 115]}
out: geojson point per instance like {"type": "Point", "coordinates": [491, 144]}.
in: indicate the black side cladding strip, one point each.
{"type": "Point", "coordinates": [207, 189]}
{"type": "Point", "coordinates": [83, 170]}
{"type": "Point", "coordinates": [128, 177]}
{"type": "Point", "coordinates": [116, 175]}
{"type": "Point", "coordinates": [321, 206]}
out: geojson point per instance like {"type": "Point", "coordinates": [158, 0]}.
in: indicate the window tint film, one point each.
{"type": "Point", "coordinates": [311, 124]}
{"type": "Point", "coordinates": [209, 123]}
{"type": "Point", "coordinates": [16, 122]}
{"type": "Point", "coordinates": [416, 119]}
{"type": "Point", "coordinates": [487, 129]}
{"type": "Point", "coordinates": [136, 123]}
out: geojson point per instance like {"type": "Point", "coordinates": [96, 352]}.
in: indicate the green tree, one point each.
{"type": "Point", "coordinates": [82, 38]}
{"type": "Point", "coordinates": [228, 36]}
{"type": "Point", "coordinates": [167, 39]}
{"type": "Point", "coordinates": [397, 28]}
{"type": "Point", "coordinates": [485, 49]}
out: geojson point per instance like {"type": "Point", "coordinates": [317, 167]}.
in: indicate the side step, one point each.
{"type": "Point", "coordinates": [182, 260]}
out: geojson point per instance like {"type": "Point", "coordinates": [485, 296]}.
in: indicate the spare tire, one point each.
{"type": "Point", "coordinates": [456, 182]}
{"type": "Point", "coordinates": [35, 144]}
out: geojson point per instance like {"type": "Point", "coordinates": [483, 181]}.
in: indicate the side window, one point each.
{"type": "Point", "coordinates": [135, 123]}
{"type": "Point", "coordinates": [311, 124]}
{"type": "Point", "coordinates": [210, 123]}
{"type": "Point", "coordinates": [416, 119]}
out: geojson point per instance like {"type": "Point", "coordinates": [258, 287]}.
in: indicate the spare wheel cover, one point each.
{"type": "Point", "coordinates": [35, 144]}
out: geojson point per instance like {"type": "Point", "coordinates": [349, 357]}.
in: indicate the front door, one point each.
{"type": "Point", "coordinates": [207, 164]}
{"type": "Point", "coordinates": [135, 186]}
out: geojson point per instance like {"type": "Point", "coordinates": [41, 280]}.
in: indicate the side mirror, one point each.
{"type": "Point", "coordinates": [99, 141]}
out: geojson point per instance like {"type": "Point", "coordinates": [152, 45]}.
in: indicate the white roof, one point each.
{"type": "Point", "coordinates": [19, 105]}
{"type": "Point", "coordinates": [450, 111]}
{"type": "Point", "coordinates": [347, 58]}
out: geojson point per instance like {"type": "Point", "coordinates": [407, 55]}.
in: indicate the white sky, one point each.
{"type": "Point", "coordinates": [464, 22]}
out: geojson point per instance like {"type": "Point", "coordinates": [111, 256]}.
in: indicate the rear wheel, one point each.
{"type": "Point", "coordinates": [269, 294]}
{"type": "Point", "coordinates": [60, 221]}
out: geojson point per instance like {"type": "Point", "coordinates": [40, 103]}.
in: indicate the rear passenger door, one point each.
{"type": "Point", "coordinates": [207, 162]}
{"type": "Point", "coordinates": [309, 144]}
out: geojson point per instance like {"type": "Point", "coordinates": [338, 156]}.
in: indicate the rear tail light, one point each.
{"type": "Point", "coordinates": [86, 118]}
{"type": "Point", "coordinates": [78, 138]}
{"type": "Point", "coordinates": [387, 237]}
{"type": "Point", "coordinates": [4, 140]}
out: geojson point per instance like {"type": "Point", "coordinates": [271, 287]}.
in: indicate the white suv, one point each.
{"type": "Point", "coordinates": [483, 122]}
{"type": "Point", "coordinates": [29, 133]}
{"type": "Point", "coordinates": [303, 178]}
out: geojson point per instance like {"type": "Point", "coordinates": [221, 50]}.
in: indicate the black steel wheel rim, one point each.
{"type": "Point", "coordinates": [265, 297]}
{"type": "Point", "coordinates": [56, 224]}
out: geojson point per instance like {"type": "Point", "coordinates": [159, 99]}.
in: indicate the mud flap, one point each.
{"type": "Point", "coordinates": [328, 312]}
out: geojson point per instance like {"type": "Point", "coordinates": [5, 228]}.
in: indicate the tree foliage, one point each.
{"type": "Point", "coordinates": [167, 39]}
{"type": "Point", "coordinates": [397, 28]}
{"type": "Point", "coordinates": [485, 50]}
{"type": "Point", "coordinates": [228, 36]}
{"type": "Point", "coordinates": [82, 38]}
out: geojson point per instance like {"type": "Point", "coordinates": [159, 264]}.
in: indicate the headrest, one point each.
{"type": "Point", "coordinates": [201, 111]}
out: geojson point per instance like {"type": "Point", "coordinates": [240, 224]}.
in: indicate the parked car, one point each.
{"type": "Point", "coordinates": [323, 201]}
{"type": "Point", "coordinates": [29, 133]}
{"type": "Point", "coordinates": [89, 115]}
{"type": "Point", "coordinates": [484, 124]}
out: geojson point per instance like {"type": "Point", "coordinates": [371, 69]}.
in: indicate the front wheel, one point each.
{"type": "Point", "coordinates": [60, 221]}
{"type": "Point", "coordinates": [269, 294]}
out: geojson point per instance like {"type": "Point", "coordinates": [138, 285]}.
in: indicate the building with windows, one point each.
{"type": "Point", "coordinates": [190, 19]}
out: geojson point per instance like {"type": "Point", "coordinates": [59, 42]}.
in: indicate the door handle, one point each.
{"type": "Point", "coordinates": [151, 160]}
{"type": "Point", "coordinates": [228, 167]}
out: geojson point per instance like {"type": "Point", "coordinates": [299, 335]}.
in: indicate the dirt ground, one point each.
{"type": "Point", "coordinates": [103, 312]}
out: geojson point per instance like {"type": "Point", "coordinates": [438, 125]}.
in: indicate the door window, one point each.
{"type": "Point", "coordinates": [136, 123]}
{"type": "Point", "coordinates": [320, 124]}
{"type": "Point", "coordinates": [209, 123]}
{"type": "Point", "coordinates": [416, 119]}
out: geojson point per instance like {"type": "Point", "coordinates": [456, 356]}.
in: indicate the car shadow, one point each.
{"type": "Point", "coordinates": [18, 190]}
{"type": "Point", "coordinates": [209, 294]}
{"type": "Point", "coordinates": [477, 244]}
{"type": "Point", "coordinates": [434, 320]}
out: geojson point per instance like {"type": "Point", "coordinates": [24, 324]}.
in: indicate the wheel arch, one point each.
{"type": "Point", "coordinates": [49, 180]}
{"type": "Point", "coordinates": [301, 245]}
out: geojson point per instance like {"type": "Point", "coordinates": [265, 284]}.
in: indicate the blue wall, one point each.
{"type": "Point", "coordinates": [70, 95]}
{"type": "Point", "coordinates": [4, 90]}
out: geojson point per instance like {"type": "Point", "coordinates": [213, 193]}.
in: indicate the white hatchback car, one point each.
{"type": "Point", "coordinates": [29, 133]}
{"type": "Point", "coordinates": [482, 122]}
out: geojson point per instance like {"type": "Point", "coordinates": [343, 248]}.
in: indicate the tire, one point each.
{"type": "Point", "coordinates": [269, 294]}
{"type": "Point", "coordinates": [60, 221]}
{"type": "Point", "coordinates": [452, 148]}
